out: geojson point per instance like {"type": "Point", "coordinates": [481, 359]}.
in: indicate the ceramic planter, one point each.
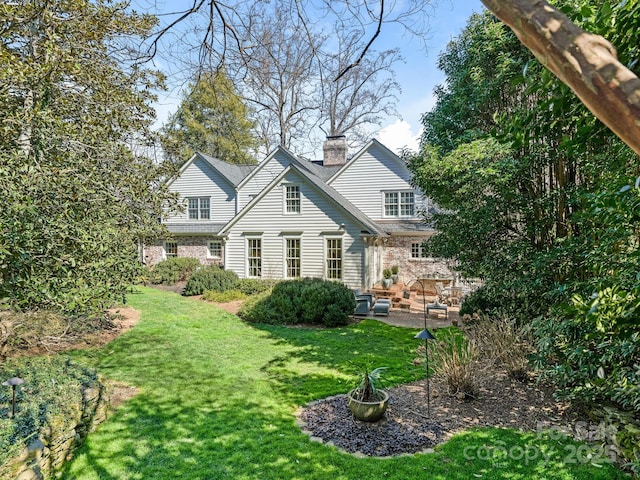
{"type": "Point", "coordinates": [368, 411]}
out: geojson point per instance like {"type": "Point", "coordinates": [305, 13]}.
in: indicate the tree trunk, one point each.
{"type": "Point", "coordinates": [585, 62]}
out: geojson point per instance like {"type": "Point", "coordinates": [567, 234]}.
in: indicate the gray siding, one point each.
{"type": "Point", "coordinates": [200, 180]}
{"type": "Point", "coordinates": [372, 173]}
{"type": "Point", "coordinates": [261, 177]}
{"type": "Point", "coordinates": [319, 219]}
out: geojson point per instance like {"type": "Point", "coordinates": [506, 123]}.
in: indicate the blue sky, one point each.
{"type": "Point", "coordinates": [417, 77]}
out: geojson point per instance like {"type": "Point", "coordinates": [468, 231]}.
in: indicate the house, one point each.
{"type": "Point", "coordinates": [339, 219]}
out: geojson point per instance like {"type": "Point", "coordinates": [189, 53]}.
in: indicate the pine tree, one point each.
{"type": "Point", "coordinates": [211, 119]}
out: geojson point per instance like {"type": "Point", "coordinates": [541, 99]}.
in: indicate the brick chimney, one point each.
{"type": "Point", "coordinates": [335, 151]}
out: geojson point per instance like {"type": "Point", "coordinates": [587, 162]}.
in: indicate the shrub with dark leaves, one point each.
{"type": "Point", "coordinates": [173, 270]}
{"type": "Point", "coordinates": [210, 278]}
{"type": "Point", "coordinates": [307, 301]}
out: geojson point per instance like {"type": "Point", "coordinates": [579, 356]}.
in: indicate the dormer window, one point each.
{"type": "Point", "coordinates": [399, 204]}
{"type": "Point", "coordinates": [198, 208]}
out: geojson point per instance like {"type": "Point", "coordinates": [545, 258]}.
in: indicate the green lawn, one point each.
{"type": "Point", "coordinates": [217, 400]}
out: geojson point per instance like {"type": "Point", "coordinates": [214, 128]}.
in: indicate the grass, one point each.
{"type": "Point", "coordinates": [218, 398]}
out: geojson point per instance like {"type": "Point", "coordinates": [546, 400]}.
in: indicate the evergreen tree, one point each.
{"type": "Point", "coordinates": [211, 119]}
{"type": "Point", "coordinates": [76, 200]}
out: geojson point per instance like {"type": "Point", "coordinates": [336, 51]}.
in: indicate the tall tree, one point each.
{"type": "Point", "coordinates": [514, 202]}
{"type": "Point", "coordinates": [76, 201]}
{"type": "Point", "coordinates": [541, 200]}
{"type": "Point", "coordinates": [211, 119]}
{"type": "Point", "coordinates": [286, 62]}
{"type": "Point", "coordinates": [587, 63]}
{"type": "Point", "coordinates": [277, 77]}
{"type": "Point", "coordinates": [363, 96]}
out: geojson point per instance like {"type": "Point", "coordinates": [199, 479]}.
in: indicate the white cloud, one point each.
{"type": "Point", "coordinates": [399, 135]}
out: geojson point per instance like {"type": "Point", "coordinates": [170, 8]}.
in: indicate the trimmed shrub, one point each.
{"type": "Point", "coordinates": [255, 309]}
{"type": "Point", "coordinates": [210, 278]}
{"type": "Point", "coordinates": [309, 301]}
{"type": "Point", "coordinates": [173, 270]}
{"type": "Point", "coordinates": [223, 297]}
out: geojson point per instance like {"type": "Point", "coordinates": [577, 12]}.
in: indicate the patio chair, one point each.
{"type": "Point", "coordinates": [362, 306]}
{"type": "Point", "coordinates": [443, 293]}
{"type": "Point", "coordinates": [364, 302]}
{"type": "Point", "coordinates": [369, 295]}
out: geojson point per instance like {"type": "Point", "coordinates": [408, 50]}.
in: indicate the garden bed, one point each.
{"type": "Point", "coordinates": [406, 428]}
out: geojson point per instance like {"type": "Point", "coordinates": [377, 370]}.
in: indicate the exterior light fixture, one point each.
{"type": "Point", "coordinates": [426, 335]}
{"type": "Point", "coordinates": [13, 383]}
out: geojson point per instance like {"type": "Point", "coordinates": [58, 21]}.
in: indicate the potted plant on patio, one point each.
{"type": "Point", "coordinates": [368, 401]}
{"type": "Point", "coordinates": [394, 274]}
{"type": "Point", "coordinates": [386, 281]}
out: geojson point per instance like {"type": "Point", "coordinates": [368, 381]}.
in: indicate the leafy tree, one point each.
{"type": "Point", "coordinates": [77, 201]}
{"type": "Point", "coordinates": [211, 119]}
{"type": "Point", "coordinates": [516, 201]}
{"type": "Point", "coordinates": [483, 68]}
{"type": "Point", "coordinates": [542, 203]}
{"type": "Point", "coordinates": [590, 345]}
{"type": "Point", "coordinates": [583, 60]}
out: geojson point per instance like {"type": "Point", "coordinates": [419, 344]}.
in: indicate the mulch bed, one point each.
{"type": "Point", "coordinates": [406, 427]}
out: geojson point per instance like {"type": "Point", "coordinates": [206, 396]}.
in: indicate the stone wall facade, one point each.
{"type": "Point", "coordinates": [194, 247]}
{"type": "Point", "coordinates": [398, 251]}
{"type": "Point", "coordinates": [45, 455]}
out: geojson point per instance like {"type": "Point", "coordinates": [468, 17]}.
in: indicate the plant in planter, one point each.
{"type": "Point", "coordinates": [368, 401]}
{"type": "Point", "coordinates": [394, 274]}
{"type": "Point", "coordinates": [387, 281]}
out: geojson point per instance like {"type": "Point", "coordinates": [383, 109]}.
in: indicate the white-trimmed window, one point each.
{"type": "Point", "coordinates": [254, 257]}
{"type": "Point", "coordinates": [333, 258]}
{"type": "Point", "coordinates": [407, 204]}
{"type": "Point", "coordinates": [199, 208]}
{"type": "Point", "coordinates": [399, 204]}
{"type": "Point", "coordinates": [417, 251]}
{"type": "Point", "coordinates": [292, 202]}
{"type": "Point", "coordinates": [170, 249]}
{"type": "Point", "coordinates": [391, 204]}
{"type": "Point", "coordinates": [293, 257]}
{"type": "Point", "coordinates": [214, 249]}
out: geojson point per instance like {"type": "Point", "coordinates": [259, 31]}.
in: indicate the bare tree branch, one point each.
{"type": "Point", "coordinates": [366, 48]}
{"type": "Point", "coordinates": [153, 49]}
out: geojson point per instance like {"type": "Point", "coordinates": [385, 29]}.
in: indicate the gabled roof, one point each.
{"type": "Point", "coordinates": [331, 194]}
{"type": "Point", "coordinates": [233, 174]}
{"type": "Point", "coordinates": [373, 142]}
{"type": "Point", "coordinates": [301, 164]}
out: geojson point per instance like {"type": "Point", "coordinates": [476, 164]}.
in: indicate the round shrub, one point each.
{"type": "Point", "coordinates": [308, 301]}
{"type": "Point", "coordinates": [173, 270]}
{"type": "Point", "coordinates": [255, 309]}
{"type": "Point", "coordinates": [210, 278]}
